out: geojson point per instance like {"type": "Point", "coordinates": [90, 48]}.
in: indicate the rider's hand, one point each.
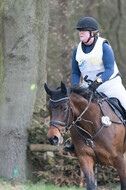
{"type": "Point", "coordinates": [94, 85]}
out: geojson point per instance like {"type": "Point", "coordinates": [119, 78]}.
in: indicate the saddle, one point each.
{"type": "Point", "coordinates": [119, 110]}
{"type": "Point", "coordinates": [116, 106]}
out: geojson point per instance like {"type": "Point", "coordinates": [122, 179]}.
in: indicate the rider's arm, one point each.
{"type": "Point", "coordinates": [108, 61]}
{"type": "Point", "coordinates": [75, 70]}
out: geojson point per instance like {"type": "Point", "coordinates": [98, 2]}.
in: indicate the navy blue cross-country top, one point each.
{"type": "Point", "coordinates": [108, 62]}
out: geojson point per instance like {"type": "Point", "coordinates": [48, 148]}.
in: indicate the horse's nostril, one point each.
{"type": "Point", "coordinates": [55, 139]}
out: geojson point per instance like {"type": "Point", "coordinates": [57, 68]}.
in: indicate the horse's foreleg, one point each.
{"type": "Point", "coordinates": [86, 164]}
{"type": "Point", "coordinates": [81, 178]}
{"type": "Point", "coordinates": [120, 165]}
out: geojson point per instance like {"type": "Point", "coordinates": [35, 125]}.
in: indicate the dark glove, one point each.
{"type": "Point", "coordinates": [94, 85]}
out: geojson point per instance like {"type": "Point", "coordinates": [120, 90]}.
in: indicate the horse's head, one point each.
{"type": "Point", "coordinates": [59, 109]}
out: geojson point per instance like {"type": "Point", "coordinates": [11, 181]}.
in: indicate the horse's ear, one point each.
{"type": "Point", "coordinates": [47, 89]}
{"type": "Point", "coordinates": [63, 88]}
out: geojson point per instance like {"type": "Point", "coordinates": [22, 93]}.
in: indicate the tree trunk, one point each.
{"type": "Point", "coordinates": [22, 36]}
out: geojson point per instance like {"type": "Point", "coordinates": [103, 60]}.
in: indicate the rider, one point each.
{"type": "Point", "coordinates": [94, 59]}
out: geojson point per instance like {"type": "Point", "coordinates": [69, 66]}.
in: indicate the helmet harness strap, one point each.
{"type": "Point", "coordinates": [90, 37]}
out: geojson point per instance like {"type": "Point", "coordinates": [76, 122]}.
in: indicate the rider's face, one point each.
{"type": "Point", "coordinates": [84, 35]}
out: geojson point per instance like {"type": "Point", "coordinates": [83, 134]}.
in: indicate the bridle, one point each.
{"type": "Point", "coordinates": [67, 127]}
{"type": "Point", "coordinates": [65, 124]}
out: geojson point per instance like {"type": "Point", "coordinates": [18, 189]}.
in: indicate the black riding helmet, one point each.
{"type": "Point", "coordinates": [87, 24]}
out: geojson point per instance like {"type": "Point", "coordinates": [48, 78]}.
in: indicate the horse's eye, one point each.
{"type": "Point", "coordinates": [64, 108]}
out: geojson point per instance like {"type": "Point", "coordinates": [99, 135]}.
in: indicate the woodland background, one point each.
{"type": "Point", "coordinates": [62, 38]}
{"type": "Point", "coordinates": [37, 40]}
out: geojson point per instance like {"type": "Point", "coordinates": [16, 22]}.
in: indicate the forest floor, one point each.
{"type": "Point", "coordinates": [7, 185]}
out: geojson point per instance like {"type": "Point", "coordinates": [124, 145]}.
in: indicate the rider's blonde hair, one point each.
{"type": "Point", "coordinates": [96, 32]}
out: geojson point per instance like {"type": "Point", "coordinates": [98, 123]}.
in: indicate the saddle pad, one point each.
{"type": "Point", "coordinates": [117, 108]}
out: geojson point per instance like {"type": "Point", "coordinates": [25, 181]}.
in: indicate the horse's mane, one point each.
{"type": "Point", "coordinates": [84, 92]}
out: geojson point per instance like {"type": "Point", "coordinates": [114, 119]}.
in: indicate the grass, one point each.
{"type": "Point", "coordinates": [8, 185]}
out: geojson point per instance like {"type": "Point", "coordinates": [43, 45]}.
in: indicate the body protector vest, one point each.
{"type": "Point", "coordinates": [91, 64]}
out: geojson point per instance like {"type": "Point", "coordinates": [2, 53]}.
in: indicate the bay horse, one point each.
{"type": "Point", "coordinates": [96, 131]}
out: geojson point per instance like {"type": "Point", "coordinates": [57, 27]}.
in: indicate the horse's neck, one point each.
{"type": "Point", "coordinates": [89, 115]}
{"type": "Point", "coordinates": [78, 104]}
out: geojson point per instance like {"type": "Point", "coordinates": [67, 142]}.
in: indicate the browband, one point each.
{"type": "Point", "coordinates": [66, 98]}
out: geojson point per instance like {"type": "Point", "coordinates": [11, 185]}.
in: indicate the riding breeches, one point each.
{"type": "Point", "coordinates": [114, 88]}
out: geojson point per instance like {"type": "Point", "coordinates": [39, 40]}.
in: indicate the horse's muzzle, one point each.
{"type": "Point", "coordinates": [53, 140]}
